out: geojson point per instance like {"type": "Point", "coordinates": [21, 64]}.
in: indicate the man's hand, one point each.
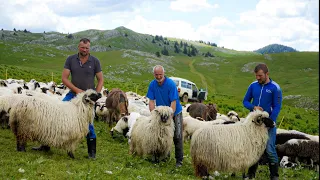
{"type": "Point", "coordinates": [79, 91]}
{"type": "Point", "coordinates": [258, 108]}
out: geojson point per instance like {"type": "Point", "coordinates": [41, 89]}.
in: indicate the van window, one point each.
{"type": "Point", "coordinates": [185, 85]}
{"type": "Point", "coordinates": [176, 82]}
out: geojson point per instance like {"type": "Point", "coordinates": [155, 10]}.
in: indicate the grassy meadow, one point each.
{"type": "Point", "coordinates": [127, 64]}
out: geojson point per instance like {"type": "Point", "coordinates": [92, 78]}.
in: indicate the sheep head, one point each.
{"type": "Point", "coordinates": [90, 96]}
{"type": "Point", "coordinates": [164, 112]}
{"type": "Point", "coordinates": [260, 117]}
{"type": "Point", "coordinates": [233, 116]}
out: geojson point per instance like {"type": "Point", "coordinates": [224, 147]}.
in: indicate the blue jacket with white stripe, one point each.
{"type": "Point", "coordinates": [268, 96]}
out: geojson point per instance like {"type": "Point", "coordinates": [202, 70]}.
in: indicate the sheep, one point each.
{"type": "Point", "coordinates": [138, 106]}
{"type": "Point", "coordinates": [300, 148]}
{"type": "Point", "coordinates": [281, 138]}
{"type": "Point", "coordinates": [190, 125]}
{"type": "Point", "coordinates": [206, 112]}
{"type": "Point", "coordinates": [62, 126]}
{"type": "Point", "coordinates": [285, 163]}
{"type": "Point", "coordinates": [233, 147]}
{"type": "Point", "coordinates": [117, 104]}
{"type": "Point", "coordinates": [102, 111]}
{"type": "Point", "coordinates": [153, 135]}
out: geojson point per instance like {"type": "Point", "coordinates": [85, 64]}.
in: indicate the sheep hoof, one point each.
{"type": "Point", "coordinates": [70, 154]}
{"type": "Point", "coordinates": [21, 148]}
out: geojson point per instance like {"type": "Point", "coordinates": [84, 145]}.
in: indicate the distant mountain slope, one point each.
{"type": "Point", "coordinates": [115, 39]}
{"type": "Point", "coordinates": [275, 48]}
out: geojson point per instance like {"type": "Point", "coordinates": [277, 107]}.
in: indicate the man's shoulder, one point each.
{"type": "Point", "coordinates": [73, 56]}
{"type": "Point", "coordinates": [275, 85]}
{"type": "Point", "coordinates": [94, 58]}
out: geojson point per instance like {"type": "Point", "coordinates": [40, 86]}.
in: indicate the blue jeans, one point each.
{"type": "Point", "coordinates": [271, 146]}
{"type": "Point", "coordinates": [91, 134]}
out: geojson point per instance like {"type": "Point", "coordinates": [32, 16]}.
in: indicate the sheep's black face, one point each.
{"type": "Point", "coordinates": [268, 122]}
{"type": "Point", "coordinates": [164, 118]}
{"type": "Point", "coordinates": [94, 97]}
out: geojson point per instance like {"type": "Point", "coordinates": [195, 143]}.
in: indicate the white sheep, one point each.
{"type": "Point", "coordinates": [60, 125]}
{"type": "Point", "coordinates": [190, 125]}
{"type": "Point", "coordinates": [153, 135]}
{"type": "Point", "coordinates": [233, 147]}
{"type": "Point", "coordinates": [124, 125]}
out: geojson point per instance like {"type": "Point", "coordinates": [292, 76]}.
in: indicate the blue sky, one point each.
{"type": "Point", "coordinates": [240, 25]}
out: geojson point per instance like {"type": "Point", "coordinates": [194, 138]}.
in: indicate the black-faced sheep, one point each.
{"type": "Point", "coordinates": [60, 125]}
{"type": "Point", "coordinates": [207, 112]}
{"type": "Point", "coordinates": [153, 135]}
{"type": "Point", "coordinates": [300, 148]}
{"type": "Point", "coordinates": [233, 147]}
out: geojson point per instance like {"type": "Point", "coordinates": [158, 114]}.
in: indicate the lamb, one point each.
{"type": "Point", "coordinates": [233, 147]}
{"type": "Point", "coordinates": [62, 126]}
{"type": "Point", "coordinates": [206, 112]}
{"type": "Point", "coordinates": [300, 148]}
{"type": "Point", "coordinates": [124, 125]}
{"type": "Point", "coordinates": [153, 135]}
{"type": "Point", "coordinates": [102, 111]}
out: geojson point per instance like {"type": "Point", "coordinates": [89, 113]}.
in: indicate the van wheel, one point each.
{"type": "Point", "coordinates": [185, 98]}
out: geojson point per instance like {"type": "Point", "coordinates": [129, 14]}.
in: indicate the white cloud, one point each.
{"type": "Point", "coordinates": [177, 29]}
{"type": "Point", "coordinates": [191, 5]}
{"type": "Point", "coordinates": [283, 8]}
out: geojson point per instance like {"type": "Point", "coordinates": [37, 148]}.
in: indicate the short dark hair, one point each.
{"type": "Point", "coordinates": [262, 67]}
{"type": "Point", "coordinates": [85, 40]}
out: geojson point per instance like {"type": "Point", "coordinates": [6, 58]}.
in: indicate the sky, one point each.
{"type": "Point", "coordinates": [244, 25]}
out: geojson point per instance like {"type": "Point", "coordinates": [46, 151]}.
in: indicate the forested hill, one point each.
{"type": "Point", "coordinates": [275, 48]}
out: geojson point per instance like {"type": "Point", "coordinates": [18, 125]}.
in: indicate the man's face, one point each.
{"type": "Point", "coordinates": [261, 76]}
{"type": "Point", "coordinates": [159, 75]}
{"type": "Point", "coordinates": [84, 48]}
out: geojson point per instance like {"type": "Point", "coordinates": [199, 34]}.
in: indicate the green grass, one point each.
{"type": "Point", "coordinates": [112, 162]}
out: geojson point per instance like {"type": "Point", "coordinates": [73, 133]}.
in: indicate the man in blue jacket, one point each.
{"type": "Point", "coordinates": [265, 95]}
{"type": "Point", "coordinates": [162, 91]}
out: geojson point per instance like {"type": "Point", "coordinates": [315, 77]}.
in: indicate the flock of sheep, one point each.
{"type": "Point", "coordinates": [35, 111]}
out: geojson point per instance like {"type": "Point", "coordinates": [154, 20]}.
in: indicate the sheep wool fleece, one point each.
{"type": "Point", "coordinates": [91, 134]}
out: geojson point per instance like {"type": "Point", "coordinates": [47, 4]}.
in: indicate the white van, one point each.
{"type": "Point", "coordinates": [188, 90]}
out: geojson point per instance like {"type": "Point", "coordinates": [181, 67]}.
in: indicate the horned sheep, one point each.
{"type": "Point", "coordinates": [233, 147]}
{"type": "Point", "coordinates": [153, 135]}
{"type": "Point", "coordinates": [62, 126]}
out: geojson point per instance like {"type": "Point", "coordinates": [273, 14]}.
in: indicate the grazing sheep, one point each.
{"type": "Point", "coordinates": [60, 125]}
{"type": "Point", "coordinates": [117, 104]}
{"type": "Point", "coordinates": [300, 148]}
{"type": "Point", "coordinates": [206, 112]}
{"type": "Point", "coordinates": [233, 147]}
{"type": "Point", "coordinates": [153, 135]}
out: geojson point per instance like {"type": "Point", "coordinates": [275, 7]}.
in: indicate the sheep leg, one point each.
{"type": "Point", "coordinates": [70, 154]}
{"type": "Point", "coordinates": [201, 170]}
{"type": "Point", "coordinates": [21, 144]}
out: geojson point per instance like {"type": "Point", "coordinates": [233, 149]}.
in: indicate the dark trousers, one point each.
{"type": "Point", "coordinates": [177, 139]}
